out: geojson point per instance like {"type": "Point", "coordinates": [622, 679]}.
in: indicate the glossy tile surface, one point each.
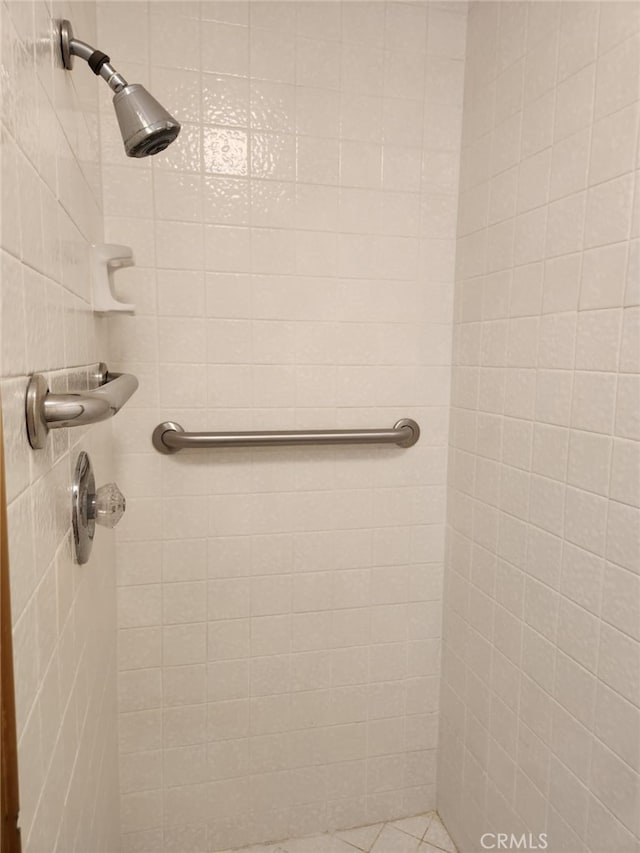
{"type": "Point", "coordinates": [280, 610]}
{"type": "Point", "coordinates": [64, 634]}
{"type": "Point", "coordinates": [541, 698]}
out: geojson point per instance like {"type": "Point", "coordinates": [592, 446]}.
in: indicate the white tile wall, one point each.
{"type": "Point", "coordinates": [280, 610]}
{"type": "Point", "coordinates": [64, 616]}
{"type": "Point", "coordinates": [540, 706]}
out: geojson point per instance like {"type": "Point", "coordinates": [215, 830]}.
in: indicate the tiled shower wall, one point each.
{"type": "Point", "coordinates": [63, 615]}
{"type": "Point", "coordinates": [279, 610]}
{"type": "Point", "coordinates": [541, 666]}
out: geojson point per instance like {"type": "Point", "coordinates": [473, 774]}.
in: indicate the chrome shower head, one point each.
{"type": "Point", "coordinates": [146, 127]}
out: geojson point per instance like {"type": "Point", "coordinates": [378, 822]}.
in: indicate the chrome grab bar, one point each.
{"type": "Point", "coordinates": [170, 437]}
{"type": "Point", "coordinates": [45, 411]}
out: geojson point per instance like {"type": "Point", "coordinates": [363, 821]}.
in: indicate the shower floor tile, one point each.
{"type": "Point", "coordinates": [423, 833]}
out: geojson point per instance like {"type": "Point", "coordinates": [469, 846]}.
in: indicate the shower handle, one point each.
{"type": "Point", "coordinates": [91, 506]}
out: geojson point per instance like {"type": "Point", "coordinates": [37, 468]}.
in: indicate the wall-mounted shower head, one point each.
{"type": "Point", "coordinates": [146, 127]}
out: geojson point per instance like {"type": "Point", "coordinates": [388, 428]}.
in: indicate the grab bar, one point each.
{"type": "Point", "coordinates": [45, 411]}
{"type": "Point", "coordinates": [170, 437]}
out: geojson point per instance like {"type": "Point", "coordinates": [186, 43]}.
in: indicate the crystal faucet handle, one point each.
{"type": "Point", "coordinates": [109, 505]}
{"type": "Point", "coordinates": [91, 506]}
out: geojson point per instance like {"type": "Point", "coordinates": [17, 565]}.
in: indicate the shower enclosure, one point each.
{"type": "Point", "coordinates": [374, 214]}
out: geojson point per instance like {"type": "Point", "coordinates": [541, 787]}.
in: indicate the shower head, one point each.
{"type": "Point", "coordinates": [146, 127]}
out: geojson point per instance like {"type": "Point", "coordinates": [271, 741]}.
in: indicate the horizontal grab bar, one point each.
{"type": "Point", "coordinates": [170, 437]}
{"type": "Point", "coordinates": [45, 411]}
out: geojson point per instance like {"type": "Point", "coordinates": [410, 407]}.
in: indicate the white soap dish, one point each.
{"type": "Point", "coordinates": [106, 258]}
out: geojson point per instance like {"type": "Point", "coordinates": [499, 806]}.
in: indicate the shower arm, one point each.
{"type": "Point", "coordinates": [98, 61]}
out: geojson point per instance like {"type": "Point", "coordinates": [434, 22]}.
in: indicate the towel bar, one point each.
{"type": "Point", "coordinates": [170, 437]}
{"type": "Point", "coordinates": [45, 411]}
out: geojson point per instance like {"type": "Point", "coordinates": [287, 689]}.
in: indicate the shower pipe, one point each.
{"type": "Point", "coordinates": [170, 437]}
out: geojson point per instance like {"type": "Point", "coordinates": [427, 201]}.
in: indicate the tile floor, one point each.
{"type": "Point", "coordinates": [424, 833]}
